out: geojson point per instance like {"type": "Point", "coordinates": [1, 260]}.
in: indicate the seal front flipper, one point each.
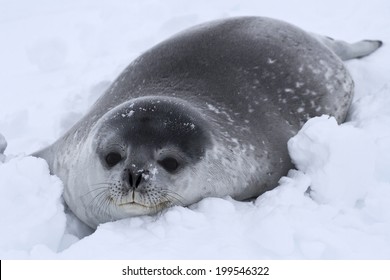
{"type": "Point", "coordinates": [347, 51]}
{"type": "Point", "coordinates": [3, 146]}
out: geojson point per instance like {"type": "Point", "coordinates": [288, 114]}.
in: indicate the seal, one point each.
{"type": "Point", "coordinates": [206, 113]}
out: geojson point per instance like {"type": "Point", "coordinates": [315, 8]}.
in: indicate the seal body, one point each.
{"type": "Point", "coordinates": [205, 113]}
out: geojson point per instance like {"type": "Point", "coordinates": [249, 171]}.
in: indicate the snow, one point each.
{"type": "Point", "coordinates": [31, 204]}
{"type": "Point", "coordinates": [336, 159]}
{"type": "Point", "coordinates": [57, 57]}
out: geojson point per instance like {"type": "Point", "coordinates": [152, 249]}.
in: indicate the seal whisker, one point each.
{"type": "Point", "coordinates": [96, 189]}
{"type": "Point", "coordinates": [173, 197]}
{"type": "Point", "coordinates": [105, 207]}
{"type": "Point", "coordinates": [98, 200]}
{"type": "Point", "coordinates": [108, 209]}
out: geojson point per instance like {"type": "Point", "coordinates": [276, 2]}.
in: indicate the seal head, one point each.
{"type": "Point", "coordinates": [139, 158]}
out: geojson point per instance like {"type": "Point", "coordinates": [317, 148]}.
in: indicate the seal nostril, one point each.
{"type": "Point", "coordinates": [130, 179]}
{"type": "Point", "coordinates": [139, 179]}
{"type": "Point", "coordinates": [136, 178]}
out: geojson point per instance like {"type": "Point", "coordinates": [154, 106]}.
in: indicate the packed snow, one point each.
{"type": "Point", "coordinates": [58, 57]}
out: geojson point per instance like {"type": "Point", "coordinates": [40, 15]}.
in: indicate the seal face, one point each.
{"type": "Point", "coordinates": [207, 112]}
{"type": "Point", "coordinates": [156, 140]}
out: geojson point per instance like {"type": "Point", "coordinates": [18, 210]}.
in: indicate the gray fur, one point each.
{"type": "Point", "coordinates": [230, 94]}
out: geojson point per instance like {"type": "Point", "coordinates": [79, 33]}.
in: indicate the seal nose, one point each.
{"type": "Point", "coordinates": [138, 177]}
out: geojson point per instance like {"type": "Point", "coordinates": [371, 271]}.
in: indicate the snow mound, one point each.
{"type": "Point", "coordinates": [338, 159]}
{"type": "Point", "coordinates": [31, 207]}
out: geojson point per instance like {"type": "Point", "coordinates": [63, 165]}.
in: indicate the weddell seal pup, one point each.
{"type": "Point", "coordinates": [206, 113]}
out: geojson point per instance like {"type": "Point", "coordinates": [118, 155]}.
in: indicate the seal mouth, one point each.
{"type": "Point", "coordinates": [133, 203]}
{"type": "Point", "coordinates": [157, 206]}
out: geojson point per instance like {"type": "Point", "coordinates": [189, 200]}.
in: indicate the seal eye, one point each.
{"type": "Point", "coordinates": [170, 164]}
{"type": "Point", "coordinates": [113, 158]}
